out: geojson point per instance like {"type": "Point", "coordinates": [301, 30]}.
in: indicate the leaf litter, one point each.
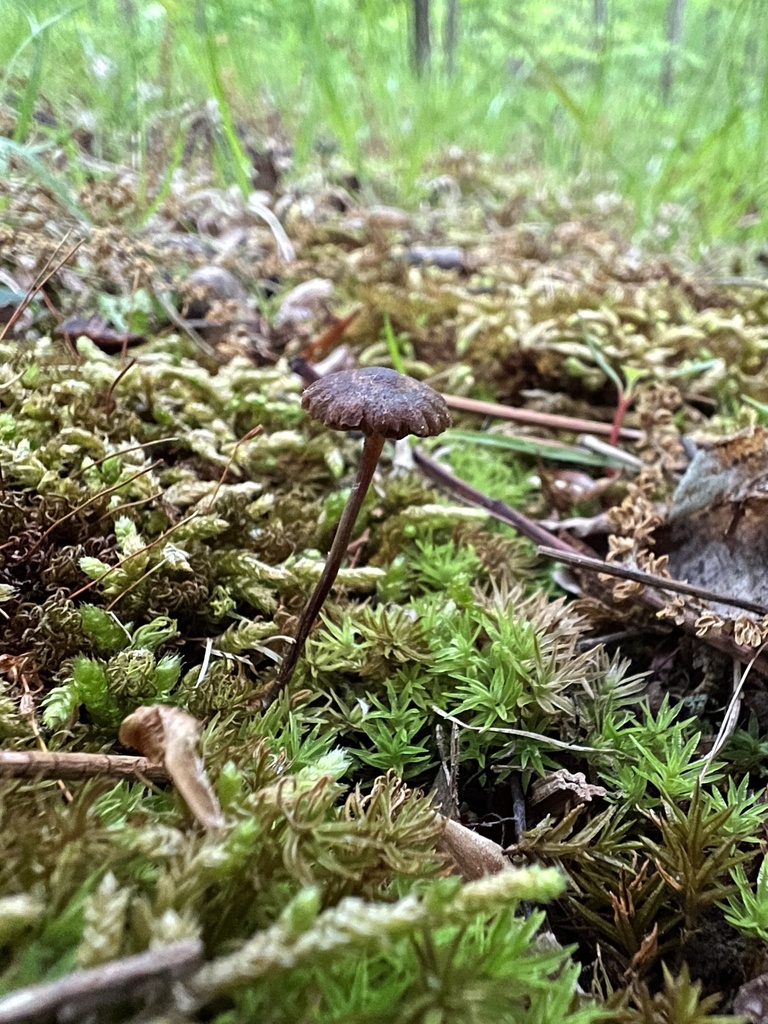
{"type": "Point", "coordinates": [166, 511]}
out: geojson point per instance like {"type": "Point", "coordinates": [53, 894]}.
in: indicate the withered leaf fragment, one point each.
{"type": "Point", "coordinates": [473, 854]}
{"type": "Point", "coordinates": [100, 333]}
{"type": "Point", "coordinates": [559, 792]}
{"type": "Point", "coordinates": [169, 737]}
{"type": "Point", "coordinates": [715, 532]}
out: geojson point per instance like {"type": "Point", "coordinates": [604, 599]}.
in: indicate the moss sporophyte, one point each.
{"type": "Point", "coordinates": [384, 405]}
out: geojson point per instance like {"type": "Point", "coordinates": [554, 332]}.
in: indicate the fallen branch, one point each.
{"type": "Point", "coordinates": [538, 419]}
{"type": "Point", "coordinates": [493, 506]}
{"type": "Point", "coordinates": [649, 598]}
{"type": "Point", "coordinates": [648, 579]}
{"type": "Point", "coordinates": [34, 764]}
{"type": "Point", "coordinates": [145, 976]}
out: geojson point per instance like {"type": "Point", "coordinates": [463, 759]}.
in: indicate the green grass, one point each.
{"type": "Point", "coordinates": [534, 86]}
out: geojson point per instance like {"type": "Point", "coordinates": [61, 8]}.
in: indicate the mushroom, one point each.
{"type": "Point", "coordinates": [383, 404]}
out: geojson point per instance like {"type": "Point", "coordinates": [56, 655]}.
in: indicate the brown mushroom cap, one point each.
{"type": "Point", "coordinates": [377, 400]}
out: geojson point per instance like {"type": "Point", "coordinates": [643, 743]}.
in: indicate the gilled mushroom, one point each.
{"type": "Point", "coordinates": [384, 405]}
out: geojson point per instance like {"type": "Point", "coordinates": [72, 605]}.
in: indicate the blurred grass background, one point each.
{"type": "Point", "coordinates": [662, 101]}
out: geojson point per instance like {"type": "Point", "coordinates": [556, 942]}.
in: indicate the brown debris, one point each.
{"type": "Point", "coordinates": [32, 764]}
{"type": "Point", "coordinates": [561, 791]}
{"type": "Point", "coordinates": [474, 855]}
{"type": "Point", "coordinates": [169, 737]}
{"type": "Point", "coordinates": [82, 993]}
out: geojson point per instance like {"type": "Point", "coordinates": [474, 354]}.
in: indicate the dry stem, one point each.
{"type": "Point", "coordinates": [33, 764]}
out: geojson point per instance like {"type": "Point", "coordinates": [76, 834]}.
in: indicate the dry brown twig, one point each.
{"type": "Point", "coordinates": [648, 579]}
{"type": "Point", "coordinates": [494, 507]}
{"type": "Point", "coordinates": [143, 977]}
{"type": "Point", "coordinates": [538, 419]}
{"type": "Point", "coordinates": [686, 619]}
{"type": "Point", "coordinates": [49, 764]}
{"type": "Point", "coordinates": [41, 280]}
{"type": "Point", "coordinates": [16, 668]}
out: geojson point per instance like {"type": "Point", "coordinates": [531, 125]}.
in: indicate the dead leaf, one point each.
{"type": "Point", "coordinates": [752, 1000]}
{"type": "Point", "coordinates": [473, 854]}
{"type": "Point", "coordinates": [169, 737]}
{"type": "Point", "coordinates": [716, 536]}
{"type": "Point", "coordinates": [645, 954]}
{"type": "Point", "coordinates": [304, 302]}
{"type": "Point", "coordinates": [559, 792]}
{"type": "Point", "coordinates": [101, 334]}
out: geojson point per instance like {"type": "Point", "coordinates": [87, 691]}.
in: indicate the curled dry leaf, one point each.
{"type": "Point", "coordinates": [169, 737]}
{"type": "Point", "coordinates": [105, 337]}
{"type": "Point", "coordinates": [559, 792]}
{"type": "Point", "coordinates": [473, 854]}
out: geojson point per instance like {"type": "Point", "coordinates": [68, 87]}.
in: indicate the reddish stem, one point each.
{"type": "Point", "coordinates": [625, 400]}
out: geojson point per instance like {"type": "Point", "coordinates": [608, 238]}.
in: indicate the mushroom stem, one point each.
{"type": "Point", "coordinates": [372, 449]}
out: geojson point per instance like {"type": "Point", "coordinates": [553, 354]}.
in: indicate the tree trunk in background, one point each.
{"type": "Point", "coordinates": [599, 19]}
{"type": "Point", "coordinates": [450, 36]}
{"type": "Point", "coordinates": [675, 14]}
{"type": "Point", "coordinates": [421, 44]}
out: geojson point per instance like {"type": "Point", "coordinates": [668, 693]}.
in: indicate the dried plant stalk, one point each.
{"type": "Point", "coordinates": [119, 981]}
{"type": "Point", "coordinates": [34, 764]}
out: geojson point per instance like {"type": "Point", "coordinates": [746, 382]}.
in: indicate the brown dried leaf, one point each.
{"type": "Point", "coordinates": [559, 792]}
{"type": "Point", "coordinates": [646, 954]}
{"type": "Point", "coordinates": [99, 331]}
{"type": "Point", "coordinates": [716, 536]}
{"type": "Point", "coordinates": [473, 854]}
{"type": "Point", "coordinates": [169, 737]}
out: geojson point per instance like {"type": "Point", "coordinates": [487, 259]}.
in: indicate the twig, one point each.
{"type": "Point", "coordinates": [41, 280]}
{"type": "Point", "coordinates": [324, 343]}
{"type": "Point", "coordinates": [518, 807]}
{"type": "Point", "coordinates": [731, 715]}
{"type": "Point", "coordinates": [493, 506]}
{"type": "Point", "coordinates": [33, 764]}
{"type": "Point", "coordinates": [759, 283]}
{"type": "Point", "coordinates": [539, 419]}
{"type": "Point", "coordinates": [649, 598]}
{"type": "Point", "coordinates": [522, 733]}
{"type": "Point", "coordinates": [142, 976]}
{"type": "Point", "coordinates": [89, 501]}
{"type": "Point", "coordinates": [179, 322]}
{"type": "Point", "coordinates": [647, 579]}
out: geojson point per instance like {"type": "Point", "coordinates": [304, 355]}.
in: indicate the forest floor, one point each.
{"type": "Point", "coordinates": [502, 785]}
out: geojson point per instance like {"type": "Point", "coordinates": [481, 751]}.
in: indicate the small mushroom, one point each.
{"type": "Point", "coordinates": [383, 404]}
